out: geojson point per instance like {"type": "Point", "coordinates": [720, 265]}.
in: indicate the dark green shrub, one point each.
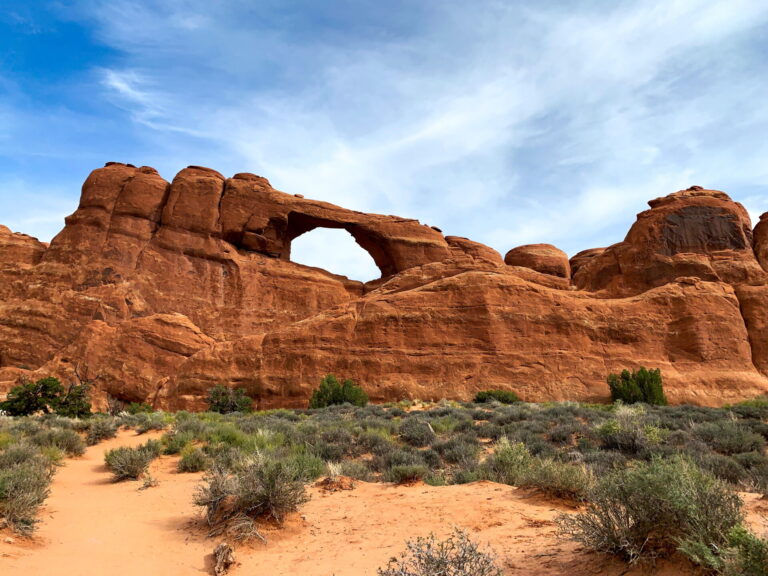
{"type": "Point", "coordinates": [129, 463]}
{"type": "Point", "coordinates": [225, 400]}
{"type": "Point", "coordinates": [455, 556]}
{"type": "Point", "coordinates": [139, 408]}
{"type": "Point", "coordinates": [75, 402]}
{"type": "Point", "coordinates": [332, 392]}
{"type": "Point", "coordinates": [637, 386]}
{"type": "Point", "coordinates": [32, 397]}
{"type": "Point", "coordinates": [193, 459]}
{"type": "Point", "coordinates": [655, 508]}
{"type": "Point", "coordinates": [503, 396]}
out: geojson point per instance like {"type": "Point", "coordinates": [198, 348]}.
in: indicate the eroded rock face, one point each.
{"type": "Point", "coordinates": [695, 232]}
{"type": "Point", "coordinates": [157, 291]}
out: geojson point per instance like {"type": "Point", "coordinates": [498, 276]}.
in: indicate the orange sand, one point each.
{"type": "Point", "coordinates": [92, 526]}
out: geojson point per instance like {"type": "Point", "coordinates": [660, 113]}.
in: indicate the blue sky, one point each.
{"type": "Point", "coordinates": [506, 122]}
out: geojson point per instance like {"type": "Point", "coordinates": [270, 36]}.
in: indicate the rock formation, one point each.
{"type": "Point", "coordinates": [157, 291]}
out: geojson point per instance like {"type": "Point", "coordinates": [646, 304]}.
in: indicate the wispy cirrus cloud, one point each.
{"type": "Point", "coordinates": [504, 122]}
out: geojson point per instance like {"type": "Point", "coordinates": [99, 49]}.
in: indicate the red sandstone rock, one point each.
{"type": "Point", "coordinates": [19, 249]}
{"type": "Point", "coordinates": [543, 258]}
{"type": "Point", "coordinates": [694, 232]}
{"type": "Point", "coordinates": [760, 241]}
{"type": "Point", "coordinates": [158, 291]}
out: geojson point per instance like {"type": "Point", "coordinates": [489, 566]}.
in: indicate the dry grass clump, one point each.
{"type": "Point", "coordinates": [257, 488]}
{"type": "Point", "coordinates": [455, 556]}
{"type": "Point", "coordinates": [131, 463]}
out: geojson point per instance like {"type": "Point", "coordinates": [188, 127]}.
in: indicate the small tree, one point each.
{"type": "Point", "coordinates": [75, 403]}
{"type": "Point", "coordinates": [332, 392]}
{"type": "Point", "coordinates": [225, 400]}
{"type": "Point", "coordinates": [642, 385]}
{"type": "Point", "coordinates": [31, 397]}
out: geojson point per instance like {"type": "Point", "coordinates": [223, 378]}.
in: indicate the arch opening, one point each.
{"type": "Point", "coordinates": [335, 250]}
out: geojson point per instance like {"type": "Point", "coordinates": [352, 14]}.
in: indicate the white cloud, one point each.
{"type": "Point", "coordinates": [504, 122]}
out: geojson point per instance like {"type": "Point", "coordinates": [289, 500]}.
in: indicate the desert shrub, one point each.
{"type": "Point", "coordinates": [67, 441]}
{"type": "Point", "coordinates": [75, 402]}
{"type": "Point", "coordinates": [260, 488]}
{"type": "Point", "coordinates": [225, 400]}
{"type": "Point", "coordinates": [503, 396]}
{"type": "Point", "coordinates": [728, 437]}
{"type": "Point", "coordinates": [146, 421]}
{"type": "Point", "coordinates": [139, 408]}
{"type": "Point", "coordinates": [32, 397]}
{"type": "Point", "coordinates": [655, 508]}
{"type": "Point", "coordinates": [355, 469]}
{"type": "Point", "coordinates": [746, 555]}
{"type": "Point", "coordinates": [508, 462]}
{"type": "Point", "coordinates": [416, 432]}
{"type": "Point", "coordinates": [25, 478]}
{"type": "Point", "coordinates": [304, 465]}
{"type": "Point", "coordinates": [175, 441]}
{"type": "Point", "coordinates": [455, 556]}
{"type": "Point", "coordinates": [721, 466]}
{"type": "Point", "coordinates": [630, 432]}
{"type": "Point", "coordinates": [637, 386]}
{"type": "Point", "coordinates": [100, 429]}
{"type": "Point", "coordinates": [462, 450]}
{"type": "Point", "coordinates": [562, 433]}
{"type": "Point", "coordinates": [604, 461]}
{"type": "Point", "coordinates": [405, 473]}
{"type": "Point", "coordinates": [193, 459]}
{"type": "Point", "coordinates": [513, 464]}
{"type": "Point", "coordinates": [129, 463]}
{"type": "Point", "coordinates": [332, 392]}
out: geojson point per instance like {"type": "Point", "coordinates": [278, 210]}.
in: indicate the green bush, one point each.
{"type": "Point", "coordinates": [455, 556]}
{"type": "Point", "coordinates": [32, 397]}
{"type": "Point", "coordinates": [75, 402]}
{"type": "Point", "coordinates": [139, 408]}
{"type": "Point", "coordinates": [513, 464]}
{"type": "Point", "coordinates": [406, 473]}
{"type": "Point", "coordinates": [746, 555]}
{"type": "Point", "coordinates": [654, 509]}
{"type": "Point", "coordinates": [129, 463]}
{"type": "Point", "coordinates": [503, 396]}
{"type": "Point", "coordinates": [193, 459]}
{"type": "Point", "coordinates": [637, 386]}
{"type": "Point", "coordinates": [332, 392]}
{"type": "Point", "coordinates": [225, 400]}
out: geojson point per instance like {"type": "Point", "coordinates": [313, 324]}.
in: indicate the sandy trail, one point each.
{"type": "Point", "coordinates": [92, 526]}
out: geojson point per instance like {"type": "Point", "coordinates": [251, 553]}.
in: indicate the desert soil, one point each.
{"type": "Point", "coordinates": [93, 526]}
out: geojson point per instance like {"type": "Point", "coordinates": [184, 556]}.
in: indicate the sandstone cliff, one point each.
{"type": "Point", "coordinates": [157, 291]}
